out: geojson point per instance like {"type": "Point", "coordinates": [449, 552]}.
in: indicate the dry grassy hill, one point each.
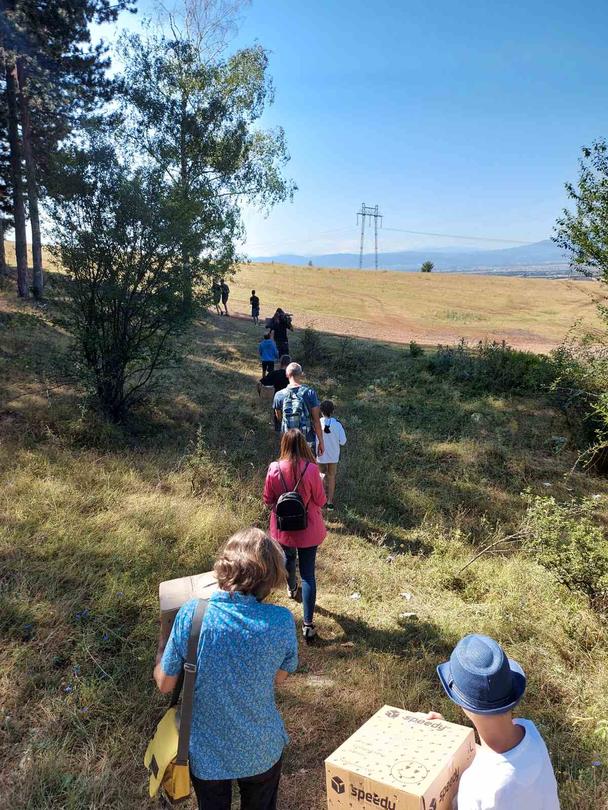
{"type": "Point", "coordinates": [431, 308]}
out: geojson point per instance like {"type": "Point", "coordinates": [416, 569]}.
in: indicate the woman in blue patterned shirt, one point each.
{"type": "Point", "coordinates": [245, 649]}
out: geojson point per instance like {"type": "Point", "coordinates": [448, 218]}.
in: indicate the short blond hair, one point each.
{"type": "Point", "coordinates": [252, 563]}
{"type": "Point", "coordinates": [294, 370]}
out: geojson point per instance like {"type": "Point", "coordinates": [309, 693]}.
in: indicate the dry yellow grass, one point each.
{"type": "Point", "coordinates": [533, 314]}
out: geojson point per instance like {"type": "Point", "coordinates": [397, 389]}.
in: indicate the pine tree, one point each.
{"type": "Point", "coordinates": [6, 202]}
{"type": "Point", "coordinates": [55, 76]}
{"type": "Point", "coordinates": [14, 142]}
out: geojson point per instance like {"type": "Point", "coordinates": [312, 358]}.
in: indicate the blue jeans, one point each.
{"type": "Point", "coordinates": [306, 557]}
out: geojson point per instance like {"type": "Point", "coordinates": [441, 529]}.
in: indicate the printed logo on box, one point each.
{"type": "Point", "coordinates": [372, 798]}
{"type": "Point", "coordinates": [453, 778]}
{"type": "Point", "coordinates": [338, 785]}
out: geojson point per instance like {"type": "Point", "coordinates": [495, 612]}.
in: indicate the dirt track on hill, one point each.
{"type": "Point", "coordinates": [403, 330]}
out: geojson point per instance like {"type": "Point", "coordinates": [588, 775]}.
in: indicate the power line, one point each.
{"type": "Point", "coordinates": [460, 236]}
{"type": "Point", "coordinates": [309, 240]}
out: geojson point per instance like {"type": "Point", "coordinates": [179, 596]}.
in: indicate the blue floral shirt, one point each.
{"type": "Point", "coordinates": [237, 730]}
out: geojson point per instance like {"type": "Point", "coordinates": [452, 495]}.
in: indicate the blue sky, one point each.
{"type": "Point", "coordinates": [455, 117]}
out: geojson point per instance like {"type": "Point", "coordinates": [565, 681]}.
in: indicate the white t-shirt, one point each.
{"type": "Point", "coordinates": [333, 440]}
{"type": "Point", "coordinates": [520, 779]}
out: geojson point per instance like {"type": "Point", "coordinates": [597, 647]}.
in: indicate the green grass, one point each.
{"type": "Point", "coordinates": [92, 518]}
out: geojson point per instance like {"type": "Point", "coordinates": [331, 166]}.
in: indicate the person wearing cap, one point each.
{"type": "Point", "coordinates": [512, 769]}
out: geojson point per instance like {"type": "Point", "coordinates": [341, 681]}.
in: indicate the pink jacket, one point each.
{"type": "Point", "coordinates": [311, 490]}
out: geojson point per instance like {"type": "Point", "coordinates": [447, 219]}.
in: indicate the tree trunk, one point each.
{"type": "Point", "coordinates": [32, 182]}
{"type": "Point", "coordinates": [2, 252]}
{"type": "Point", "coordinates": [15, 148]}
{"type": "Point", "coordinates": [186, 272]}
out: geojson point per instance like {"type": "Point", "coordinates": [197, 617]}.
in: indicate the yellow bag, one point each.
{"type": "Point", "coordinates": [166, 757]}
{"type": "Point", "coordinates": [160, 760]}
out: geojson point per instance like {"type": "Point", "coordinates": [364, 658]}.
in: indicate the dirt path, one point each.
{"type": "Point", "coordinates": [392, 329]}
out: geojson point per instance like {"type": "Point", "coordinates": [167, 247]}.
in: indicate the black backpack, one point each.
{"type": "Point", "coordinates": [291, 512]}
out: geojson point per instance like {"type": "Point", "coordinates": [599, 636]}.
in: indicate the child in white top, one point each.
{"type": "Point", "coordinates": [334, 438]}
{"type": "Point", "coordinates": [511, 769]}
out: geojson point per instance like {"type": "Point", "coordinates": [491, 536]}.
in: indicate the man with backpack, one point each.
{"type": "Point", "coordinates": [298, 406]}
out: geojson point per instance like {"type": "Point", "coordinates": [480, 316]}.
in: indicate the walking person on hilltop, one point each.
{"type": "Point", "coordinates": [297, 472]}
{"type": "Point", "coordinates": [267, 349]}
{"type": "Point", "coordinates": [297, 406]}
{"type": "Point", "coordinates": [255, 307]}
{"type": "Point", "coordinates": [216, 292]}
{"type": "Point", "coordinates": [246, 648]}
{"type": "Point", "coordinates": [225, 293]}
{"type": "Point", "coordinates": [334, 438]}
{"type": "Point", "coordinates": [281, 322]}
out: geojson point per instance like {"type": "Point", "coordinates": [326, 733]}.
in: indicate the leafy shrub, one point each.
{"type": "Point", "coordinates": [416, 349]}
{"type": "Point", "coordinates": [493, 366]}
{"type": "Point", "coordinates": [565, 539]}
{"type": "Point", "coordinates": [312, 349]}
{"type": "Point", "coordinates": [581, 388]}
{"type": "Point", "coordinates": [348, 356]}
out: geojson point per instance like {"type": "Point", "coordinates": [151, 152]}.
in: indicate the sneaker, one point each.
{"type": "Point", "coordinates": [330, 507]}
{"type": "Point", "coordinates": [309, 631]}
{"type": "Point", "coordinates": [293, 594]}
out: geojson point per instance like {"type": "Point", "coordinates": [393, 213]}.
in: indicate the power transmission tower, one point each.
{"type": "Point", "coordinates": [369, 212]}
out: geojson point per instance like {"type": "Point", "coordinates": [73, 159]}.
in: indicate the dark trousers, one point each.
{"type": "Point", "coordinates": [257, 792]}
{"type": "Point", "coordinates": [283, 347]}
{"type": "Point", "coordinates": [267, 367]}
{"type": "Point", "coordinates": [306, 558]}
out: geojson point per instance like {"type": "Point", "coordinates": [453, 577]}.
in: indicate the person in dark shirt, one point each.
{"type": "Point", "coordinates": [278, 380]}
{"type": "Point", "coordinates": [281, 322]}
{"type": "Point", "coordinates": [216, 291]}
{"type": "Point", "coordinates": [255, 307]}
{"type": "Point", "coordinates": [225, 290]}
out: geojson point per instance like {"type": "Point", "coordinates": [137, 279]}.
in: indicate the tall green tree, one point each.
{"type": "Point", "coordinates": [53, 74]}
{"type": "Point", "coordinates": [16, 174]}
{"type": "Point", "coordinates": [427, 267]}
{"type": "Point", "coordinates": [583, 231]}
{"type": "Point", "coordinates": [582, 361]}
{"type": "Point", "coordinates": [193, 115]}
{"type": "Point", "coordinates": [6, 201]}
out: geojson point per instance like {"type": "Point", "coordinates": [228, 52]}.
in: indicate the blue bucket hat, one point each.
{"type": "Point", "coordinates": [480, 678]}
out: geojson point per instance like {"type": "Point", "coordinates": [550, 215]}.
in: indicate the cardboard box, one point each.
{"type": "Point", "coordinates": [267, 394]}
{"type": "Point", "coordinates": [175, 592]}
{"type": "Point", "coordinates": [399, 761]}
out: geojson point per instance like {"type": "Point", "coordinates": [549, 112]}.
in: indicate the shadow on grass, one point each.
{"type": "Point", "coordinates": [410, 636]}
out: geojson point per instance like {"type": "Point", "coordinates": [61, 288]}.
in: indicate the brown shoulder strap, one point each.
{"type": "Point", "coordinates": [185, 723]}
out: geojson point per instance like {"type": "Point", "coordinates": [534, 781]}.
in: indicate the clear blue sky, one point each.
{"type": "Point", "coordinates": [456, 118]}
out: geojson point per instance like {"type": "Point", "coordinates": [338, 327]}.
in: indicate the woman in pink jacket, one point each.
{"type": "Point", "coordinates": [297, 464]}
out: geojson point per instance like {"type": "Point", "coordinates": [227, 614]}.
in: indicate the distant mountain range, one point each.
{"type": "Point", "coordinates": [538, 258]}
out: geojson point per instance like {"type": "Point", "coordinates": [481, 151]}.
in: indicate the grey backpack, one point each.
{"type": "Point", "coordinates": [295, 410]}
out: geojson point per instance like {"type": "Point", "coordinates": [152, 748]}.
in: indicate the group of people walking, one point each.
{"type": "Point", "coordinates": [311, 439]}
{"type": "Point", "coordinates": [248, 647]}
{"type": "Point", "coordinates": [220, 292]}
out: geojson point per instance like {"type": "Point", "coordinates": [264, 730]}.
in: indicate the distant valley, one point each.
{"type": "Point", "coordinates": [539, 259]}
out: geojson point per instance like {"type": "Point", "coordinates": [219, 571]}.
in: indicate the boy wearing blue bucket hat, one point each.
{"type": "Point", "coordinates": [512, 769]}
